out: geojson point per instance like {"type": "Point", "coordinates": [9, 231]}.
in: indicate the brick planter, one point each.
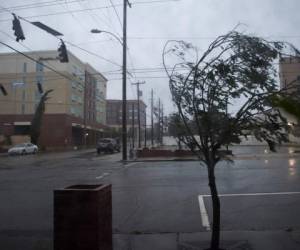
{"type": "Point", "coordinates": [83, 218]}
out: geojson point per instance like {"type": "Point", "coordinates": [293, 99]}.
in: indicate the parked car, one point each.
{"type": "Point", "coordinates": [108, 145]}
{"type": "Point", "coordinates": [23, 148]}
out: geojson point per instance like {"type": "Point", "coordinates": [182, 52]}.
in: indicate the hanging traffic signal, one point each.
{"type": "Point", "coordinates": [3, 90]}
{"type": "Point", "coordinates": [62, 53]}
{"type": "Point", "coordinates": [18, 29]}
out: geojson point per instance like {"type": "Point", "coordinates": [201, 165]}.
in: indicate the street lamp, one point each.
{"type": "Point", "coordinates": [96, 31]}
{"type": "Point", "coordinates": [124, 71]}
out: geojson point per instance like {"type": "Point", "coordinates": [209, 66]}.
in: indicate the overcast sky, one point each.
{"type": "Point", "coordinates": [150, 24]}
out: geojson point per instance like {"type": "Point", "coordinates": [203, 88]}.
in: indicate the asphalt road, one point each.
{"type": "Point", "coordinates": [148, 197]}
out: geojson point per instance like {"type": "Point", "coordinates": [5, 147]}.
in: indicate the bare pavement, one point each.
{"type": "Point", "coordinates": [159, 205]}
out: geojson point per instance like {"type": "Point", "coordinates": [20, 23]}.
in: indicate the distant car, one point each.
{"type": "Point", "coordinates": [23, 148]}
{"type": "Point", "coordinates": [108, 145]}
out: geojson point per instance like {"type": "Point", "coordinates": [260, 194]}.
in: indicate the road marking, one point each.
{"type": "Point", "coordinates": [253, 194]}
{"type": "Point", "coordinates": [130, 164]}
{"type": "Point", "coordinates": [102, 176]}
{"type": "Point", "coordinates": [203, 213]}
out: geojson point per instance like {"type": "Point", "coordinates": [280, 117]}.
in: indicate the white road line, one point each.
{"type": "Point", "coordinates": [102, 176]}
{"type": "Point", "coordinates": [203, 213]}
{"type": "Point", "coordinates": [253, 194]}
{"type": "Point", "coordinates": [130, 164]}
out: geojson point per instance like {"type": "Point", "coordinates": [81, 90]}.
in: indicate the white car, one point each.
{"type": "Point", "coordinates": [23, 148]}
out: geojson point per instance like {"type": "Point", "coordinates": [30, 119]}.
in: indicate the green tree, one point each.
{"type": "Point", "coordinates": [36, 123]}
{"type": "Point", "coordinates": [177, 130]}
{"type": "Point", "coordinates": [227, 93]}
{"type": "Point", "coordinates": [289, 104]}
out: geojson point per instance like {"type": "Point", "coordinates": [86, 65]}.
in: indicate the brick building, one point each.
{"type": "Point", "coordinates": [75, 114]}
{"type": "Point", "coordinates": [114, 115]}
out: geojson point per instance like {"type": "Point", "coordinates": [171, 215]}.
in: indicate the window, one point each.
{"type": "Point", "coordinates": [24, 67]}
{"type": "Point", "coordinates": [40, 79]}
{"type": "Point", "coordinates": [39, 67]}
{"type": "Point", "coordinates": [23, 95]}
{"type": "Point", "coordinates": [23, 109]}
{"type": "Point", "coordinates": [73, 110]}
{"type": "Point", "coordinates": [37, 95]}
{"type": "Point", "coordinates": [73, 98]}
{"type": "Point", "coordinates": [74, 70]}
{"type": "Point", "coordinates": [74, 85]}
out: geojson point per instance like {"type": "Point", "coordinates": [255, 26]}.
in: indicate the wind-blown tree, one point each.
{"type": "Point", "coordinates": [36, 124]}
{"type": "Point", "coordinates": [289, 104]}
{"type": "Point", "coordinates": [177, 129]}
{"type": "Point", "coordinates": [227, 93]}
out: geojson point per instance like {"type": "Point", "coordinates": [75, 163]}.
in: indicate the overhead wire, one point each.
{"type": "Point", "coordinates": [127, 49]}
{"type": "Point", "coordinates": [87, 9]}
{"type": "Point", "coordinates": [37, 61]}
{"type": "Point", "coordinates": [74, 45]}
{"type": "Point", "coordinates": [39, 5]}
{"type": "Point", "coordinates": [58, 2]}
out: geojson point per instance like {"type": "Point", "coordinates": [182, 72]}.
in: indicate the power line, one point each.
{"type": "Point", "coordinates": [39, 5]}
{"type": "Point", "coordinates": [117, 14]}
{"type": "Point", "coordinates": [88, 9]}
{"type": "Point", "coordinates": [46, 66]}
{"type": "Point", "coordinates": [58, 2]}
{"type": "Point", "coordinates": [74, 45]}
{"type": "Point", "coordinates": [62, 12]}
{"type": "Point", "coordinates": [92, 53]}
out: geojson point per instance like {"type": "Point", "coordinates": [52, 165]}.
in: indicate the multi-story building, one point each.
{"type": "Point", "coordinates": [289, 74]}
{"type": "Point", "coordinates": [75, 111]}
{"type": "Point", "coordinates": [114, 115]}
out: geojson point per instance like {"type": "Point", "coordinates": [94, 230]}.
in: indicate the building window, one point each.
{"type": "Point", "coordinates": [39, 67]}
{"type": "Point", "coordinates": [23, 109]}
{"type": "Point", "coordinates": [23, 95]}
{"type": "Point", "coordinates": [24, 67]}
{"type": "Point", "coordinates": [73, 98]}
{"type": "Point", "coordinates": [40, 79]}
{"type": "Point", "coordinates": [74, 85]}
{"type": "Point", "coordinates": [73, 110]}
{"type": "Point", "coordinates": [37, 95]}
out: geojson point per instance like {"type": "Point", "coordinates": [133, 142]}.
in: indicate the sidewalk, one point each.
{"type": "Point", "coordinates": [230, 240]}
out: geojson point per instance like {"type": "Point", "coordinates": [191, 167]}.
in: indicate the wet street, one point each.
{"type": "Point", "coordinates": [259, 192]}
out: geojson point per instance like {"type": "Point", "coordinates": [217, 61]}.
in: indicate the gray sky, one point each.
{"type": "Point", "coordinates": [150, 25]}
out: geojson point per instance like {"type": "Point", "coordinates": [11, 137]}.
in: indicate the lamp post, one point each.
{"type": "Point", "coordinates": [124, 71]}
{"type": "Point", "coordinates": [97, 31]}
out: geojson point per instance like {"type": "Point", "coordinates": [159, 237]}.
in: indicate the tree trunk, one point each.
{"type": "Point", "coordinates": [215, 238]}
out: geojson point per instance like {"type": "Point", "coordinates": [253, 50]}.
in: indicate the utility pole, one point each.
{"type": "Point", "coordinates": [139, 117]}
{"type": "Point", "coordinates": [132, 120]}
{"type": "Point", "coordinates": [145, 144]}
{"type": "Point", "coordinates": [158, 136]}
{"type": "Point", "coordinates": [162, 124]}
{"type": "Point", "coordinates": [124, 71]}
{"type": "Point", "coordinates": [152, 143]}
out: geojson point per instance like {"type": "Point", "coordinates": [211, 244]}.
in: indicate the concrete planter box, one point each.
{"type": "Point", "coordinates": [83, 218]}
{"type": "Point", "coordinates": [145, 152]}
{"type": "Point", "coordinates": [163, 153]}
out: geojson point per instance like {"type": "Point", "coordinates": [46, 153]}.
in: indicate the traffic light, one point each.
{"type": "Point", "coordinates": [3, 90]}
{"type": "Point", "coordinates": [18, 29]}
{"type": "Point", "coordinates": [62, 53]}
